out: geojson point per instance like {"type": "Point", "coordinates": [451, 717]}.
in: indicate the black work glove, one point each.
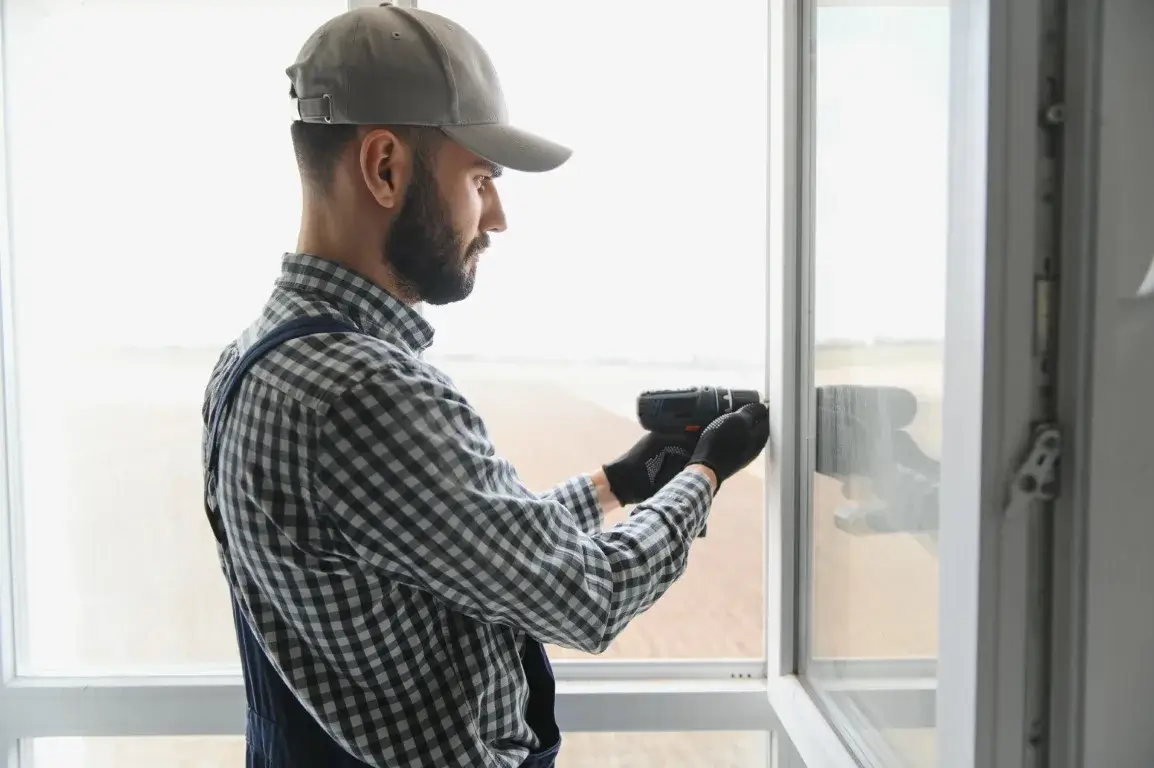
{"type": "Point", "coordinates": [731, 442]}
{"type": "Point", "coordinates": [652, 462]}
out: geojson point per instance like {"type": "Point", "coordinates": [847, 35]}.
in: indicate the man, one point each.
{"type": "Point", "coordinates": [393, 579]}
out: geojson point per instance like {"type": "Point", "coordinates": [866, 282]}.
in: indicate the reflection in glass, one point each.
{"type": "Point", "coordinates": [880, 187]}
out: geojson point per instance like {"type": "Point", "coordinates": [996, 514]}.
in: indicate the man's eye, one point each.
{"type": "Point", "coordinates": [482, 181]}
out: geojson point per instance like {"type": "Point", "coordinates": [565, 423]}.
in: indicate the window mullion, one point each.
{"type": "Point", "coordinates": [10, 528]}
{"type": "Point", "coordinates": [782, 362]}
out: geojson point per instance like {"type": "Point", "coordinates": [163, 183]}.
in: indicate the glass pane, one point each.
{"type": "Point", "coordinates": [639, 264]}
{"type": "Point", "coordinates": [879, 295]}
{"type": "Point", "coordinates": [153, 193]}
{"type": "Point", "coordinates": [580, 750]}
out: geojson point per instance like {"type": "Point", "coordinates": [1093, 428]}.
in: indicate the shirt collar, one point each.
{"type": "Point", "coordinates": [367, 304]}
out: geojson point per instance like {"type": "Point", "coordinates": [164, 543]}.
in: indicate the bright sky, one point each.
{"type": "Point", "coordinates": [154, 185]}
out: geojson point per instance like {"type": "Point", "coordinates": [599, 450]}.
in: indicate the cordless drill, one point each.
{"type": "Point", "coordinates": [677, 411]}
{"type": "Point", "coordinates": [673, 411]}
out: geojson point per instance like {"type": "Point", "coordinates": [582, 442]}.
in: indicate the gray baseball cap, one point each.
{"type": "Point", "coordinates": [403, 66]}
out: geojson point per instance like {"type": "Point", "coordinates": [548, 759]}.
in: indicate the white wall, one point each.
{"type": "Point", "coordinates": [1110, 649]}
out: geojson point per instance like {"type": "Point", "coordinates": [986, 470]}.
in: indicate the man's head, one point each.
{"type": "Point", "coordinates": [425, 204]}
{"type": "Point", "coordinates": [402, 131]}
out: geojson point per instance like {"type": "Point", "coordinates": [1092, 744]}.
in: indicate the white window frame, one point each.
{"type": "Point", "coordinates": [987, 632]}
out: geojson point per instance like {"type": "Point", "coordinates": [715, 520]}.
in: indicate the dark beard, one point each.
{"type": "Point", "coordinates": [428, 257]}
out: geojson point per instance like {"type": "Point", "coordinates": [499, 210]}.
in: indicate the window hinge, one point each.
{"type": "Point", "coordinates": [1037, 476]}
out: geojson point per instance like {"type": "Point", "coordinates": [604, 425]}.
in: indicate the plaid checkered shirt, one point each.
{"type": "Point", "coordinates": [390, 560]}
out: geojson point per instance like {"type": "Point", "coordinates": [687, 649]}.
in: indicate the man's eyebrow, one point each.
{"type": "Point", "coordinates": [493, 169]}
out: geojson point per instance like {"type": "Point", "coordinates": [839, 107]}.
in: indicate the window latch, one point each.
{"type": "Point", "coordinates": [1037, 476]}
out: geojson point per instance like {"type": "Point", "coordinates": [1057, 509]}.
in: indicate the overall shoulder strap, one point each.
{"type": "Point", "coordinates": [291, 329]}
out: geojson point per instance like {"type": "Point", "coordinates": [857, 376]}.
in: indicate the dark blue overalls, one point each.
{"type": "Point", "coordinates": [279, 731]}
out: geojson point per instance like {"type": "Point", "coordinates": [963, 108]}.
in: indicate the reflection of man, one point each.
{"type": "Point", "coordinates": [861, 441]}
{"type": "Point", "coordinates": [393, 579]}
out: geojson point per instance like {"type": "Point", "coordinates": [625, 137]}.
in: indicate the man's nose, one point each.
{"type": "Point", "coordinates": [494, 218]}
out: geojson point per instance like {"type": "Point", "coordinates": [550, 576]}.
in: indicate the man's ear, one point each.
{"type": "Point", "coordinates": [386, 166]}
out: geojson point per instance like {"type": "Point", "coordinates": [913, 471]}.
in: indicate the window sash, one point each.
{"type": "Point", "coordinates": [986, 687]}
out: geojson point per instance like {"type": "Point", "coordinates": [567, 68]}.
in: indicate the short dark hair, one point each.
{"type": "Point", "coordinates": [318, 147]}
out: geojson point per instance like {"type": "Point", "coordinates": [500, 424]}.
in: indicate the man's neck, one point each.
{"type": "Point", "coordinates": [320, 238]}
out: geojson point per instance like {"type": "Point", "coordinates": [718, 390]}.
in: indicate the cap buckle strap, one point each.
{"type": "Point", "coordinates": [315, 110]}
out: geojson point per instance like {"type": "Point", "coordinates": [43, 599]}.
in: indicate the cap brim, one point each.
{"type": "Point", "coordinates": [510, 147]}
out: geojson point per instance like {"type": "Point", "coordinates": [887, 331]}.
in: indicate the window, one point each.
{"type": "Point", "coordinates": [650, 287]}
{"type": "Point", "coordinates": [880, 184]}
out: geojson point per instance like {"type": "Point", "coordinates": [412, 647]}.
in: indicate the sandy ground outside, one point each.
{"type": "Point", "coordinates": [123, 577]}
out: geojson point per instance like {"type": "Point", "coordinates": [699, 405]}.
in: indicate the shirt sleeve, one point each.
{"type": "Point", "coordinates": [406, 467]}
{"type": "Point", "coordinates": [579, 496]}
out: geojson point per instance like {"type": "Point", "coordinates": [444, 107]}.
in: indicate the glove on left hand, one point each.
{"type": "Point", "coordinates": [645, 468]}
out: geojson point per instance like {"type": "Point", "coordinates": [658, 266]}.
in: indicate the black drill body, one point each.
{"type": "Point", "coordinates": [673, 411]}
